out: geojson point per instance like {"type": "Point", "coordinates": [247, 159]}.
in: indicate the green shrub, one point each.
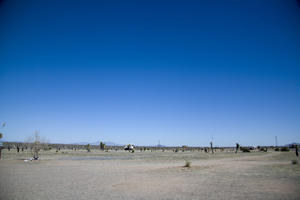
{"type": "Point", "coordinates": [294, 162]}
{"type": "Point", "coordinates": [284, 149]}
{"type": "Point", "coordinates": [88, 148]}
{"type": "Point", "coordinates": [187, 164]}
{"type": "Point", "coordinates": [264, 149]}
{"type": "Point", "coordinates": [102, 146]}
{"type": "Point", "coordinates": [245, 149]}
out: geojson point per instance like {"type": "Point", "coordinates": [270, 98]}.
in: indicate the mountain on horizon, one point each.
{"type": "Point", "coordinates": [108, 143]}
{"type": "Point", "coordinates": [292, 144]}
{"type": "Point", "coordinates": [157, 145]}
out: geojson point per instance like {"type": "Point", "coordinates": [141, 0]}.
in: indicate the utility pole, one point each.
{"type": "Point", "coordinates": [276, 144]}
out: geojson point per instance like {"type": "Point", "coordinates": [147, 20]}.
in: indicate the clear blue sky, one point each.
{"type": "Point", "coordinates": [142, 71]}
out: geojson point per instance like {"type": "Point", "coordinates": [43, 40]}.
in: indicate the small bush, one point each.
{"type": "Point", "coordinates": [264, 149]}
{"type": "Point", "coordinates": [294, 162]}
{"type": "Point", "coordinates": [187, 164]}
{"type": "Point", "coordinates": [277, 149]}
{"type": "Point", "coordinates": [88, 148]}
{"type": "Point", "coordinates": [245, 149]}
{"type": "Point", "coordinates": [102, 146]}
{"type": "Point", "coordinates": [284, 149]}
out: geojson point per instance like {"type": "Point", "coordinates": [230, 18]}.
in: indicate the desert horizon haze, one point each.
{"type": "Point", "coordinates": [184, 73]}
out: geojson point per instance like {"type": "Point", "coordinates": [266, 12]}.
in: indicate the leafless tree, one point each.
{"type": "Point", "coordinates": [35, 144]}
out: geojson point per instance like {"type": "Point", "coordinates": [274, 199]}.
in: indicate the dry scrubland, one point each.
{"type": "Point", "coordinates": [149, 175]}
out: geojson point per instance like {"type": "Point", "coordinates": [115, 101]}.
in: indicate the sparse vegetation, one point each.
{"type": "Point", "coordinates": [102, 146]}
{"type": "Point", "coordinates": [294, 162]}
{"type": "Point", "coordinates": [285, 149]}
{"type": "Point", "coordinates": [211, 147]}
{"type": "Point", "coordinates": [264, 149]}
{"type": "Point", "coordinates": [194, 169]}
{"type": "Point", "coordinates": [35, 144]}
{"type": "Point", "coordinates": [187, 164]}
{"type": "Point", "coordinates": [245, 149]}
{"type": "Point", "coordinates": [88, 148]}
{"type": "Point", "coordinates": [237, 147]}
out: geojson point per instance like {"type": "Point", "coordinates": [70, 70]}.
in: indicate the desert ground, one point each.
{"type": "Point", "coordinates": [149, 175]}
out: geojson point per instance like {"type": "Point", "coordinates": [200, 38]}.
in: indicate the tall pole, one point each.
{"type": "Point", "coordinates": [276, 141]}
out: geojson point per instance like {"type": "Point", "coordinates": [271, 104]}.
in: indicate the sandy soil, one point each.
{"type": "Point", "coordinates": [149, 175]}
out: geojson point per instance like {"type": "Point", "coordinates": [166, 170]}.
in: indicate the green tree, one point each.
{"type": "Point", "coordinates": [102, 146]}
{"type": "Point", "coordinates": [88, 147]}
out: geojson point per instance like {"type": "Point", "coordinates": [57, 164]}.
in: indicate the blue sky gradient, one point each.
{"type": "Point", "coordinates": [182, 72]}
